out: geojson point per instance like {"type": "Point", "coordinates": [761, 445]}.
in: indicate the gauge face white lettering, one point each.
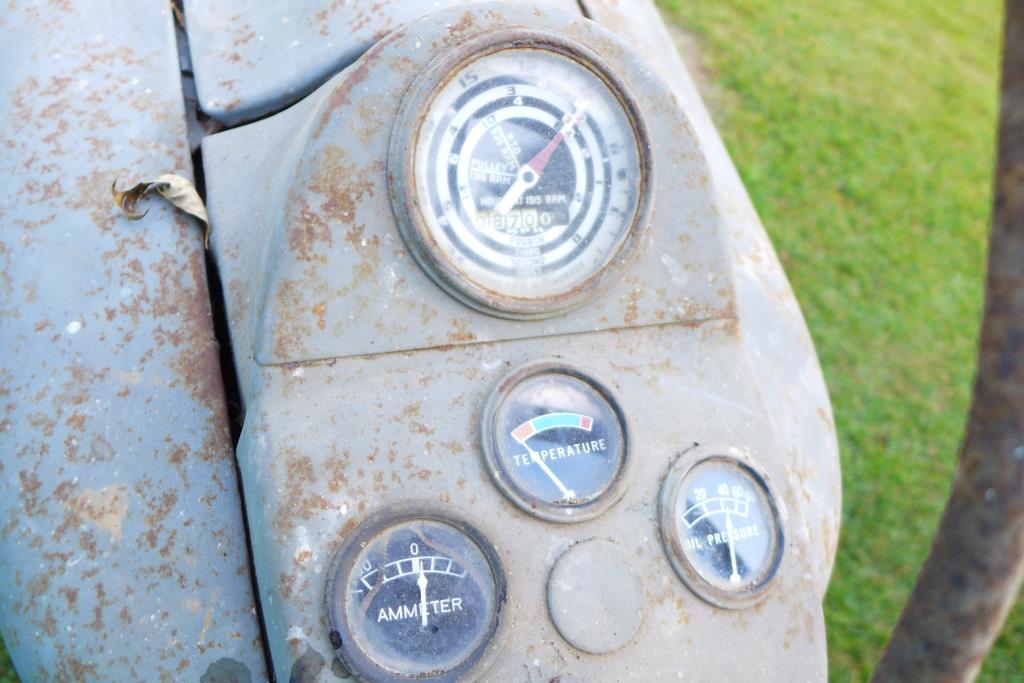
{"type": "Point", "coordinates": [419, 598]}
{"type": "Point", "coordinates": [725, 525]}
{"type": "Point", "coordinates": [554, 443]}
{"type": "Point", "coordinates": [726, 529]}
{"type": "Point", "coordinates": [528, 174]}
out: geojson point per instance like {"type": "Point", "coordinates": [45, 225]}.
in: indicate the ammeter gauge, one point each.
{"type": "Point", "coordinates": [555, 442]}
{"type": "Point", "coordinates": [721, 526]}
{"type": "Point", "coordinates": [524, 174]}
{"type": "Point", "coordinates": [414, 598]}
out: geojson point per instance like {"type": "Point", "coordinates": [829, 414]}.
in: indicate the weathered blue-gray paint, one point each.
{"type": "Point", "coordinates": [121, 534]}
{"type": "Point", "coordinates": [122, 548]}
{"type": "Point", "coordinates": [255, 58]}
{"type": "Point", "coordinates": [363, 381]}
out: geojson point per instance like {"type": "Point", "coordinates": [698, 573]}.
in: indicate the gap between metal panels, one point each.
{"type": "Point", "coordinates": [221, 331]}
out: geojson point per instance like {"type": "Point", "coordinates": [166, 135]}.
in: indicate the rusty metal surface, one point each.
{"type": "Point", "coordinates": [350, 410]}
{"type": "Point", "coordinates": [330, 275]}
{"type": "Point", "coordinates": [976, 564]}
{"type": "Point", "coordinates": [254, 58]}
{"type": "Point", "coordinates": [122, 549]}
{"type": "Point", "coordinates": [317, 464]}
{"type": "Point", "coordinates": [774, 333]}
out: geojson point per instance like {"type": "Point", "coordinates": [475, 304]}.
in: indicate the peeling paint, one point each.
{"type": "Point", "coordinates": [118, 496]}
{"type": "Point", "coordinates": [341, 306]}
{"type": "Point", "coordinates": [226, 670]}
{"type": "Point", "coordinates": [106, 507]}
{"type": "Point", "coordinates": [240, 72]}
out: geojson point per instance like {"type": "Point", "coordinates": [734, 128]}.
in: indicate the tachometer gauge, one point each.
{"type": "Point", "coordinates": [525, 177]}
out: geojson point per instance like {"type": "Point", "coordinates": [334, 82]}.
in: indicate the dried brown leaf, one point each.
{"type": "Point", "coordinates": [129, 199]}
{"type": "Point", "coordinates": [178, 191]}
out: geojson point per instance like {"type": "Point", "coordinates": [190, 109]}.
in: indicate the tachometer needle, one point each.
{"type": "Point", "coordinates": [529, 173]}
{"type": "Point", "coordinates": [422, 583]}
{"type": "Point", "coordinates": [526, 178]}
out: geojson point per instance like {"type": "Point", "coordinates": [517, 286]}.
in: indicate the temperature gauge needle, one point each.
{"type": "Point", "coordinates": [568, 494]}
{"type": "Point", "coordinates": [529, 173]}
{"type": "Point", "coordinates": [422, 583]}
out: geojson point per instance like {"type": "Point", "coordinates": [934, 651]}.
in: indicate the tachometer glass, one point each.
{"type": "Point", "coordinates": [529, 176]}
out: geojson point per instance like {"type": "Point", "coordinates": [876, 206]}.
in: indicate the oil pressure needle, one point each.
{"type": "Point", "coordinates": [422, 583]}
{"type": "Point", "coordinates": [735, 576]}
{"type": "Point", "coordinates": [529, 173]}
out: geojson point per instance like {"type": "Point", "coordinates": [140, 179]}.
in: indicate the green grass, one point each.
{"type": "Point", "coordinates": [865, 133]}
{"type": "Point", "coordinates": [7, 674]}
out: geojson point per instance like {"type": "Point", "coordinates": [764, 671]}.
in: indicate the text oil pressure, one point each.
{"type": "Point", "coordinates": [527, 179]}
{"type": "Point", "coordinates": [721, 527]}
{"type": "Point", "coordinates": [555, 442]}
{"type": "Point", "coordinates": [414, 598]}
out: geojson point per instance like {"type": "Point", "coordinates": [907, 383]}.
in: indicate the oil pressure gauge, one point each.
{"type": "Point", "coordinates": [524, 174]}
{"type": "Point", "coordinates": [414, 597]}
{"type": "Point", "coordinates": [721, 526]}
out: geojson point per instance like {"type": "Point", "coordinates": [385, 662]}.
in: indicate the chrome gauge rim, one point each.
{"type": "Point", "coordinates": [572, 468]}
{"type": "Point", "coordinates": [415, 593]}
{"type": "Point", "coordinates": [520, 174]}
{"type": "Point", "coordinates": [710, 557]}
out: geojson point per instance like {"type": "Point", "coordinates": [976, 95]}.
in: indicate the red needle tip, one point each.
{"type": "Point", "coordinates": [540, 161]}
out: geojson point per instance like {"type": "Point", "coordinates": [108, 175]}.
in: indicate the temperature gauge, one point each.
{"type": "Point", "coordinates": [721, 526]}
{"type": "Point", "coordinates": [555, 443]}
{"type": "Point", "coordinates": [525, 174]}
{"type": "Point", "coordinates": [414, 598]}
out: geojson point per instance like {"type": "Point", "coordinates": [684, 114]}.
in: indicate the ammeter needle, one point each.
{"type": "Point", "coordinates": [422, 583]}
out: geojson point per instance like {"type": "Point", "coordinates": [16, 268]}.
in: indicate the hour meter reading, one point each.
{"type": "Point", "coordinates": [525, 178]}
